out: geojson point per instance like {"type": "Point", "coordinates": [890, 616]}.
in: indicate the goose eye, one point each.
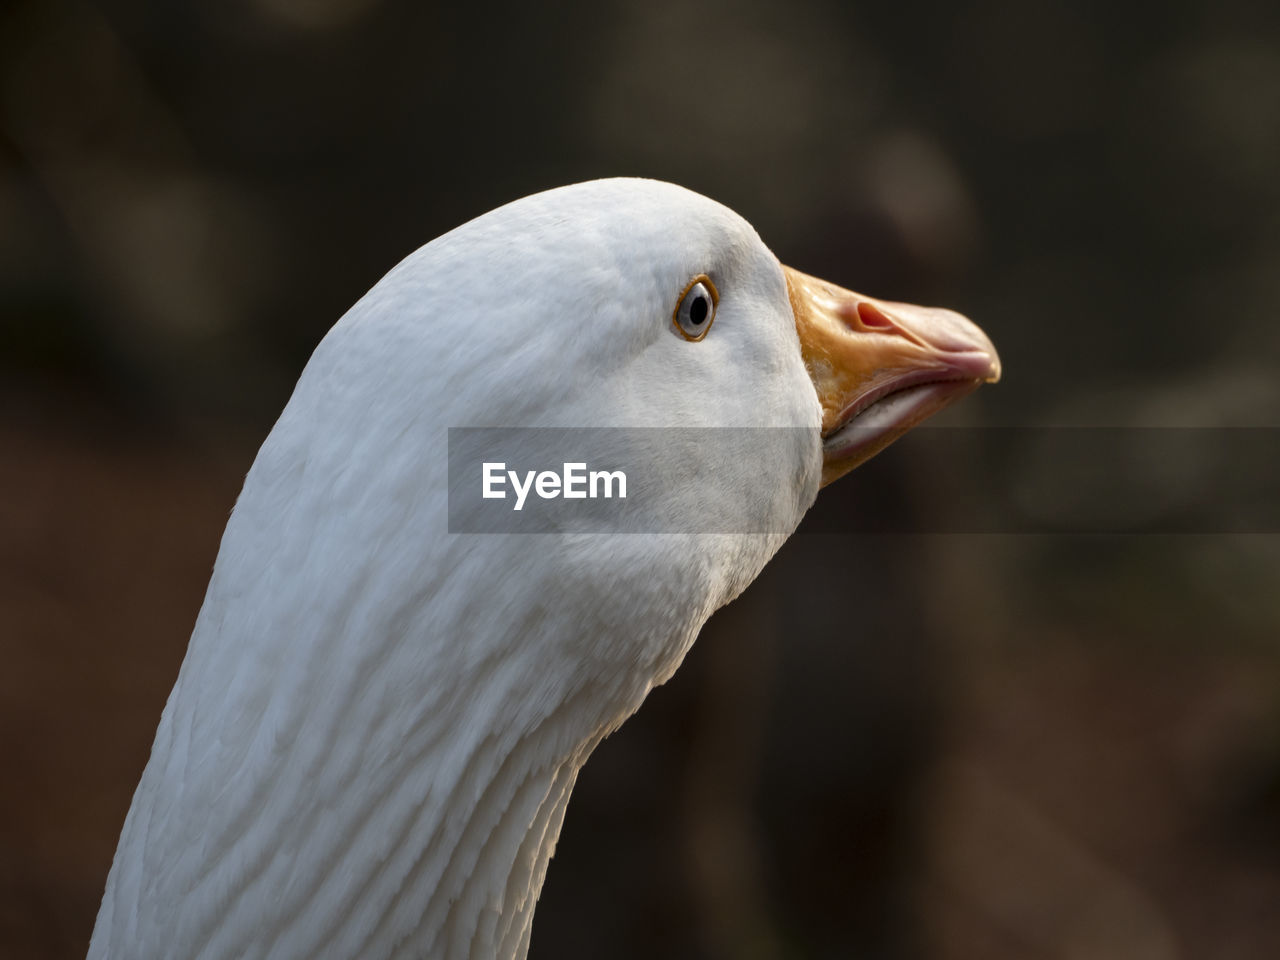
{"type": "Point", "coordinates": [696, 309]}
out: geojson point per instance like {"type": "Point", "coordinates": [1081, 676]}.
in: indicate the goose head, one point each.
{"type": "Point", "coordinates": [375, 731]}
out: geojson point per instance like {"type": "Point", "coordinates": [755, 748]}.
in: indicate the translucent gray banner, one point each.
{"type": "Point", "coordinates": [1033, 480]}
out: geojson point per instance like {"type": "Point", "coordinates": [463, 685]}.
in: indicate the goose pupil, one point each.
{"type": "Point", "coordinates": [698, 311]}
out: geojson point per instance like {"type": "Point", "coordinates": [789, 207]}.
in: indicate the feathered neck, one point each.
{"type": "Point", "coordinates": [371, 755]}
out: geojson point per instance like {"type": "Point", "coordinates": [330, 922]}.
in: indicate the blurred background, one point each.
{"type": "Point", "coordinates": [921, 744]}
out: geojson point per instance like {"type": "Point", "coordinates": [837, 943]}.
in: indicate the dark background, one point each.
{"type": "Point", "coordinates": [911, 745]}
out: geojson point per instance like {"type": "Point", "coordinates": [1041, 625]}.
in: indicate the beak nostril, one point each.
{"type": "Point", "coordinates": [872, 317]}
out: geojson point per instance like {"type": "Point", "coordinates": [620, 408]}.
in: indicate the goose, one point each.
{"type": "Point", "coordinates": [374, 733]}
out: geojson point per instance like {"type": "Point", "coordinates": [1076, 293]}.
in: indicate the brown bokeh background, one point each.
{"type": "Point", "coordinates": [894, 746]}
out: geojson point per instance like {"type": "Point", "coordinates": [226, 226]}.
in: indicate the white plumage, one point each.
{"type": "Point", "coordinates": [375, 731]}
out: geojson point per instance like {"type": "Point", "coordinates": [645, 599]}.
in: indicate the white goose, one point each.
{"type": "Point", "coordinates": [375, 731]}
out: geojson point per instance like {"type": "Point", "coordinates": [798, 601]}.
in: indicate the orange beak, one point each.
{"type": "Point", "coordinates": [880, 367]}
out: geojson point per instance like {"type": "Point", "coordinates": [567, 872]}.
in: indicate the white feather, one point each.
{"type": "Point", "coordinates": [375, 731]}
